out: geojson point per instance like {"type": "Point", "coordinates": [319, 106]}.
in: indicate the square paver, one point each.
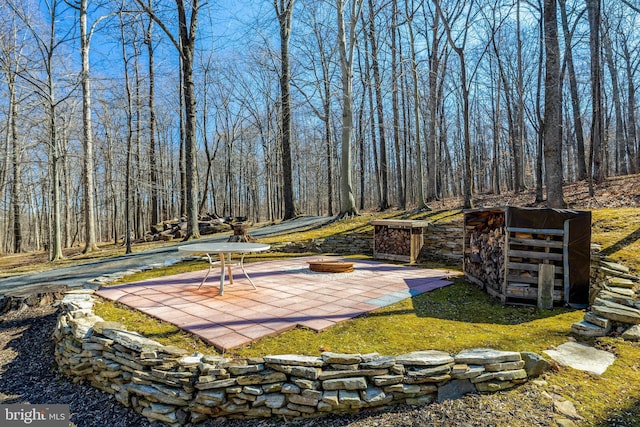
{"type": "Point", "coordinates": [288, 295]}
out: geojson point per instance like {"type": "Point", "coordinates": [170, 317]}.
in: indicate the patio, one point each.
{"type": "Point", "coordinates": [288, 295]}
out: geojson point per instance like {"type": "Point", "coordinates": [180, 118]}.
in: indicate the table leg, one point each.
{"type": "Point", "coordinates": [245, 272]}
{"type": "Point", "coordinates": [208, 271]}
{"type": "Point", "coordinates": [221, 273]}
{"type": "Point", "coordinates": [229, 268]}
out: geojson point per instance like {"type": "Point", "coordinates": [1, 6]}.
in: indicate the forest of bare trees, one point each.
{"type": "Point", "coordinates": [118, 114]}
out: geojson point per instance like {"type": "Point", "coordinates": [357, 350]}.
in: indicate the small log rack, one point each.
{"type": "Point", "coordinates": [398, 239]}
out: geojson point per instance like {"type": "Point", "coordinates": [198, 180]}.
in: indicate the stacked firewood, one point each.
{"type": "Point", "coordinates": [395, 241]}
{"type": "Point", "coordinates": [485, 251]}
{"type": "Point", "coordinates": [177, 228]}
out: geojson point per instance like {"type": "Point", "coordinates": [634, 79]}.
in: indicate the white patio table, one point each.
{"type": "Point", "coordinates": [224, 252]}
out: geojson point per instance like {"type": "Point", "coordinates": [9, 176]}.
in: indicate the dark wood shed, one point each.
{"type": "Point", "coordinates": [529, 256]}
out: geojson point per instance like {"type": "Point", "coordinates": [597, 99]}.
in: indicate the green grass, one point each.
{"type": "Point", "coordinates": [459, 316]}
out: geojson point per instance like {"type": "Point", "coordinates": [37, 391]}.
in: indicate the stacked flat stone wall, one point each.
{"type": "Point", "coordinates": [614, 300]}
{"type": "Point", "coordinates": [352, 243]}
{"type": "Point", "coordinates": [443, 242]}
{"type": "Point", "coordinates": [167, 384]}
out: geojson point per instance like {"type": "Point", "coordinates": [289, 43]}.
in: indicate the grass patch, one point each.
{"type": "Point", "coordinates": [456, 317]}
{"type": "Point", "coordinates": [163, 332]}
{"type": "Point", "coordinates": [453, 318]}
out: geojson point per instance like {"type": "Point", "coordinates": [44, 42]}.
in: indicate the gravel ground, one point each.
{"type": "Point", "coordinates": [28, 375]}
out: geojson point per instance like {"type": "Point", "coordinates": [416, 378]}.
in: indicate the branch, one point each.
{"type": "Point", "coordinates": [632, 6]}
{"type": "Point", "coordinates": [158, 21]}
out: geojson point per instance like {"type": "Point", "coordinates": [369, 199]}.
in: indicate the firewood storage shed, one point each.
{"type": "Point", "coordinates": [398, 239]}
{"type": "Point", "coordinates": [531, 256]}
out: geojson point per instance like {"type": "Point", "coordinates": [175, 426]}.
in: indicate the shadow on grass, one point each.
{"type": "Point", "coordinates": [629, 416]}
{"type": "Point", "coordinates": [465, 302]}
{"type": "Point", "coordinates": [621, 244]}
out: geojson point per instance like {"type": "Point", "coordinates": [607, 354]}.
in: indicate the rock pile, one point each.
{"type": "Point", "coordinates": [614, 302]}
{"type": "Point", "coordinates": [165, 383]}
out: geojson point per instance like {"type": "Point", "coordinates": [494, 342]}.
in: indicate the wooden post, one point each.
{"type": "Point", "coordinates": [546, 278]}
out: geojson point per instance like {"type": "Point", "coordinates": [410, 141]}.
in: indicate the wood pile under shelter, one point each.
{"type": "Point", "coordinates": [398, 239]}
{"type": "Point", "coordinates": [528, 255]}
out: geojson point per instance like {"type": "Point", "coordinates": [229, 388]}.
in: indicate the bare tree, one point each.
{"type": "Point", "coordinates": [573, 88]}
{"type": "Point", "coordinates": [593, 12]}
{"type": "Point", "coordinates": [383, 203]}
{"type": "Point", "coordinates": [87, 132]}
{"type": "Point", "coordinates": [10, 63]}
{"type": "Point", "coordinates": [184, 42]}
{"type": "Point", "coordinates": [284, 12]}
{"type": "Point", "coordinates": [153, 161]}
{"type": "Point", "coordinates": [346, 46]}
{"type": "Point", "coordinates": [464, 87]}
{"type": "Point", "coordinates": [552, 107]}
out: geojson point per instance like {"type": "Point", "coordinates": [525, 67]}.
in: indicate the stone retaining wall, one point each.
{"type": "Point", "coordinates": [442, 242]}
{"type": "Point", "coordinates": [167, 384]}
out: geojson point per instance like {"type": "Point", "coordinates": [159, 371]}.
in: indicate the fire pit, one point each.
{"type": "Point", "coordinates": [330, 266]}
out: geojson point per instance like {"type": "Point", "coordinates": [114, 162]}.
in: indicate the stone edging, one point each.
{"type": "Point", "coordinates": [167, 384]}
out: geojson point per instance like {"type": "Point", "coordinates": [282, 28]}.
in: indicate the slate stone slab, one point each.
{"type": "Point", "coordinates": [582, 357]}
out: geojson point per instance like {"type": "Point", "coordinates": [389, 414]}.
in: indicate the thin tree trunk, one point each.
{"type": "Point", "coordinates": [593, 12]}
{"type": "Point", "coordinates": [518, 140]}
{"type": "Point", "coordinates": [432, 122]}
{"type": "Point", "coordinates": [16, 170]}
{"type": "Point", "coordinates": [402, 196]}
{"type": "Point", "coordinates": [573, 90]}
{"type": "Point", "coordinates": [634, 162]}
{"type": "Point", "coordinates": [153, 161]}
{"type": "Point", "coordinates": [620, 146]}
{"type": "Point", "coordinates": [383, 203]}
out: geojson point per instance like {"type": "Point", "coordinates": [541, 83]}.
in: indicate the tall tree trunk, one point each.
{"type": "Point", "coordinates": [620, 146]}
{"type": "Point", "coordinates": [552, 107]}
{"type": "Point", "coordinates": [518, 141]}
{"type": "Point", "coordinates": [366, 84]}
{"type": "Point", "coordinates": [539, 114]}
{"type": "Point", "coordinates": [433, 61]}
{"type": "Point", "coordinates": [634, 162]}
{"type": "Point", "coordinates": [129, 113]}
{"type": "Point", "coordinates": [16, 170]}
{"type": "Point", "coordinates": [346, 48]}
{"type": "Point", "coordinates": [383, 203]}
{"type": "Point", "coordinates": [573, 90]}
{"type": "Point", "coordinates": [400, 188]}
{"type": "Point", "coordinates": [153, 161]}
{"type": "Point", "coordinates": [90, 244]}
{"type": "Point", "coordinates": [593, 12]}
{"type": "Point", "coordinates": [284, 11]}
{"type": "Point", "coordinates": [495, 110]}
{"type": "Point", "coordinates": [432, 121]}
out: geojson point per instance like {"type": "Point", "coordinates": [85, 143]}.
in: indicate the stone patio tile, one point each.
{"type": "Point", "coordinates": [256, 331]}
{"type": "Point", "coordinates": [287, 294]}
{"type": "Point", "coordinates": [229, 341]}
